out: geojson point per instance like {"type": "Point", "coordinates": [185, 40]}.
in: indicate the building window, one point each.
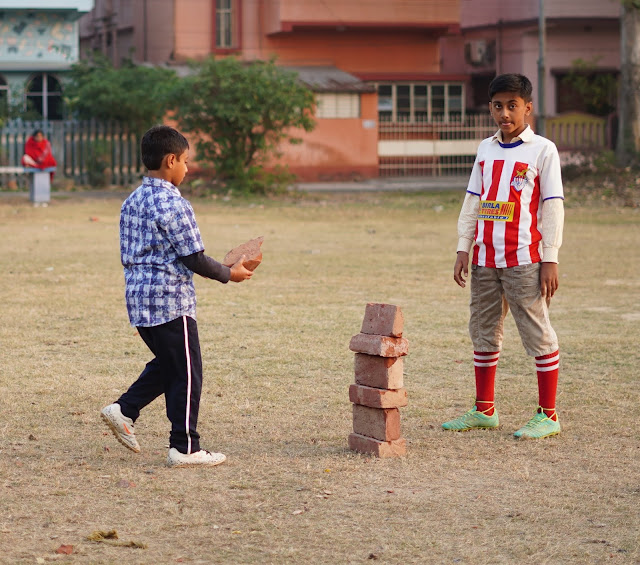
{"type": "Point", "coordinates": [225, 24]}
{"type": "Point", "coordinates": [44, 95]}
{"type": "Point", "coordinates": [420, 102]}
{"type": "Point", "coordinates": [338, 105]}
{"type": "Point", "coordinates": [592, 92]}
{"type": "Point", "coordinates": [4, 97]}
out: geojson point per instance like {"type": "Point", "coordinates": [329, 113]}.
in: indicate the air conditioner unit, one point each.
{"type": "Point", "coordinates": [475, 52]}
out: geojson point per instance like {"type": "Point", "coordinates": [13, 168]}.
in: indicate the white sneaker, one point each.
{"type": "Point", "coordinates": [202, 457]}
{"type": "Point", "coordinates": [121, 426]}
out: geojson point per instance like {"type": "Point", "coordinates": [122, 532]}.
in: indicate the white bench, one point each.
{"type": "Point", "coordinates": [39, 181]}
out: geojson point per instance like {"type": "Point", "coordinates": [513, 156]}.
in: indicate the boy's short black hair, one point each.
{"type": "Point", "coordinates": [511, 82]}
{"type": "Point", "coordinates": [160, 141]}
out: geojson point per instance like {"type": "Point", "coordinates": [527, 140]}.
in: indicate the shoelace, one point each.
{"type": "Point", "coordinates": [539, 417]}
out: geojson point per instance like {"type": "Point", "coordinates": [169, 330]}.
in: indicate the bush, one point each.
{"type": "Point", "coordinates": [240, 114]}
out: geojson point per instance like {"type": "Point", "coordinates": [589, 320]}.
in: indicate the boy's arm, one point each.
{"type": "Point", "coordinates": [467, 222]}
{"type": "Point", "coordinates": [207, 267]}
{"type": "Point", "coordinates": [552, 227]}
{"type": "Point", "coordinates": [552, 220]}
{"type": "Point", "coordinates": [466, 231]}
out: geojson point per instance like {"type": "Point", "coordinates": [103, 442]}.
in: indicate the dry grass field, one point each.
{"type": "Point", "coordinates": [277, 370]}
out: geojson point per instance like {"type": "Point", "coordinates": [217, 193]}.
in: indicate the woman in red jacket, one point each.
{"type": "Point", "coordinates": [37, 152]}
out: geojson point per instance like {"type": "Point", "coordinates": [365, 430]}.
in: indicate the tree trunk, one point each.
{"type": "Point", "coordinates": [628, 146]}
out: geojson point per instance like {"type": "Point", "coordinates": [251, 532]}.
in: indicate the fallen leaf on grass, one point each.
{"type": "Point", "coordinates": [111, 537]}
{"type": "Point", "coordinates": [65, 549]}
{"type": "Point", "coordinates": [32, 437]}
{"type": "Point", "coordinates": [124, 483]}
{"type": "Point", "coordinates": [297, 512]}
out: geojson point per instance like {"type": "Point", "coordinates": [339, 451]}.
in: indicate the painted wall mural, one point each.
{"type": "Point", "coordinates": [27, 36]}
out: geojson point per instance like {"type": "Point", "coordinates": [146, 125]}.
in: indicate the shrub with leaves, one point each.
{"type": "Point", "coordinates": [241, 113]}
{"type": "Point", "coordinates": [136, 95]}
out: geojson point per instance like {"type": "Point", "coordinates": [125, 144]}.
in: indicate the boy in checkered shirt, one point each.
{"type": "Point", "coordinates": [513, 217]}
{"type": "Point", "coordinates": [161, 248]}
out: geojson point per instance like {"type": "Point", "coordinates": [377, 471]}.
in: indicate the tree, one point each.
{"type": "Point", "coordinates": [240, 114]}
{"type": "Point", "coordinates": [595, 90]}
{"type": "Point", "coordinates": [628, 146]}
{"type": "Point", "coordinates": [132, 94]}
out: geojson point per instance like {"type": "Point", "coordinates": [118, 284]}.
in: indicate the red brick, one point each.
{"type": "Point", "coordinates": [379, 372]}
{"type": "Point", "coordinates": [383, 319]}
{"type": "Point", "coordinates": [362, 444]}
{"type": "Point", "coordinates": [377, 397]}
{"type": "Point", "coordinates": [379, 423]}
{"type": "Point", "coordinates": [380, 345]}
{"type": "Point", "coordinates": [252, 251]}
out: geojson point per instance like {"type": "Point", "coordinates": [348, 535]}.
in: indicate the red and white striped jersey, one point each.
{"type": "Point", "coordinates": [512, 180]}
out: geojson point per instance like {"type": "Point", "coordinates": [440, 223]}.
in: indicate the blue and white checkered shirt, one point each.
{"type": "Point", "coordinates": [157, 227]}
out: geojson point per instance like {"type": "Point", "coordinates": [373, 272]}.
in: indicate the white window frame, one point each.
{"type": "Point", "coordinates": [337, 105]}
{"type": "Point", "coordinates": [4, 88]}
{"type": "Point", "coordinates": [228, 16]}
{"type": "Point", "coordinates": [412, 119]}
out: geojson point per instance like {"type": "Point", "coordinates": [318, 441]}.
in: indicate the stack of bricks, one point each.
{"type": "Point", "coordinates": [378, 392]}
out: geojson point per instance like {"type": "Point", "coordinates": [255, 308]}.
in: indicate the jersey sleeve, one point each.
{"type": "Point", "coordinates": [550, 175]}
{"type": "Point", "coordinates": [475, 179]}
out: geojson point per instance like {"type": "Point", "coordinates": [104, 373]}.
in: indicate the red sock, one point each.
{"type": "Point", "coordinates": [485, 365]}
{"type": "Point", "coordinates": [547, 368]}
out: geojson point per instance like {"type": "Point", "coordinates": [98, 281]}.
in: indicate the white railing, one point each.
{"type": "Point", "coordinates": [421, 148]}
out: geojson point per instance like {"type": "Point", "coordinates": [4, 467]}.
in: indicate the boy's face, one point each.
{"type": "Point", "coordinates": [508, 111]}
{"type": "Point", "coordinates": [177, 165]}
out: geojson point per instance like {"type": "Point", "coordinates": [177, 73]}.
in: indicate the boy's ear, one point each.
{"type": "Point", "coordinates": [169, 160]}
{"type": "Point", "coordinates": [528, 107]}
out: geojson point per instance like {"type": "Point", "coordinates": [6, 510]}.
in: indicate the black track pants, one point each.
{"type": "Point", "coordinates": [175, 371]}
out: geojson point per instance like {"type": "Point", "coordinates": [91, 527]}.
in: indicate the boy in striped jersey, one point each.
{"type": "Point", "coordinates": [512, 217]}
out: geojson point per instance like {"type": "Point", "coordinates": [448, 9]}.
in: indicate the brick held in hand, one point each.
{"type": "Point", "coordinates": [252, 251]}
{"type": "Point", "coordinates": [383, 319]}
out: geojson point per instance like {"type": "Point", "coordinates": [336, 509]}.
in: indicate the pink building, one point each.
{"type": "Point", "coordinates": [501, 36]}
{"type": "Point", "coordinates": [366, 60]}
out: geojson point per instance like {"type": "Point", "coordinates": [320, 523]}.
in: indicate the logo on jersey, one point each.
{"type": "Point", "coordinates": [493, 210]}
{"type": "Point", "coordinates": [520, 180]}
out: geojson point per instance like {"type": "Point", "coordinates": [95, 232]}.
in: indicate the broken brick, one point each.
{"type": "Point", "coordinates": [369, 445]}
{"type": "Point", "coordinates": [383, 319]}
{"type": "Point", "coordinates": [380, 345]}
{"type": "Point", "coordinates": [377, 397]}
{"type": "Point", "coordinates": [379, 372]}
{"type": "Point", "coordinates": [378, 423]}
{"type": "Point", "coordinates": [251, 250]}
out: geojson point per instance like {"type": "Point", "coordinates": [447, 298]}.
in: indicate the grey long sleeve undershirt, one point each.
{"type": "Point", "coordinates": [207, 267]}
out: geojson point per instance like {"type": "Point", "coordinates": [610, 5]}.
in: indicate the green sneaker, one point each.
{"type": "Point", "coordinates": [538, 427]}
{"type": "Point", "coordinates": [472, 420]}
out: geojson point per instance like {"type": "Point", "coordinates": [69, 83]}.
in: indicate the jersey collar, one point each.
{"type": "Point", "coordinates": [526, 135]}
